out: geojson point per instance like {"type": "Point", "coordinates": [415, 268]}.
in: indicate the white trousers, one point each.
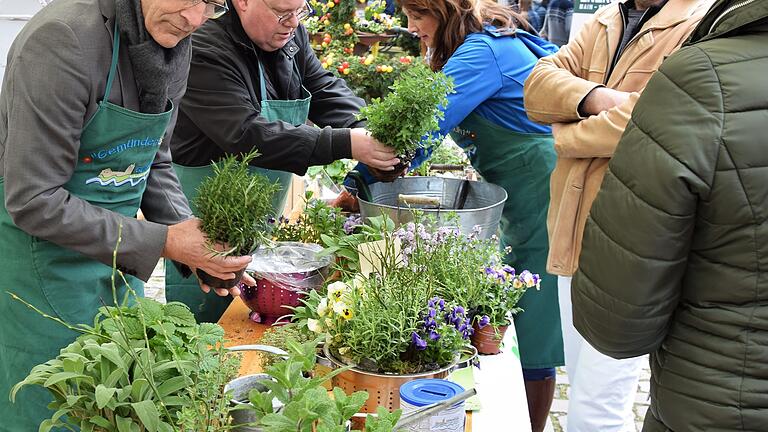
{"type": "Point", "coordinates": [603, 389]}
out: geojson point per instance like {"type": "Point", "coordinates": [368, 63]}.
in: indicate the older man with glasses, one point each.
{"type": "Point", "coordinates": [253, 84]}
{"type": "Point", "coordinates": [87, 98]}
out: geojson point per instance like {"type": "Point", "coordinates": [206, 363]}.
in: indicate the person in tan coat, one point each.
{"type": "Point", "coordinates": [586, 92]}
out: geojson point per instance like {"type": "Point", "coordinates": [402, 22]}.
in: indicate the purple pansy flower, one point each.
{"type": "Point", "coordinates": [484, 321]}
{"type": "Point", "coordinates": [419, 343]}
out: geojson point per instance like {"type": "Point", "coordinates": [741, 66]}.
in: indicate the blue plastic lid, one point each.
{"type": "Point", "coordinates": [427, 391]}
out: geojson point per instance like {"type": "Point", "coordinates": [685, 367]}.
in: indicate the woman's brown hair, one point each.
{"type": "Point", "coordinates": [458, 18]}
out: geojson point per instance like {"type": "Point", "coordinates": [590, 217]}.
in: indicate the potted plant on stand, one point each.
{"type": "Point", "coordinates": [234, 207]}
{"type": "Point", "coordinates": [288, 400]}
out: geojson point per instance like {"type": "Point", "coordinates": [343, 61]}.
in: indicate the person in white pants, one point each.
{"type": "Point", "coordinates": [602, 389]}
{"type": "Point", "coordinates": [587, 91]}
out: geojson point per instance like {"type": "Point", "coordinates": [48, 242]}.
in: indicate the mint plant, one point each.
{"type": "Point", "coordinates": [306, 404]}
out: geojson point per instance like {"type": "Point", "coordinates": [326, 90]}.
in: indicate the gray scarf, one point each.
{"type": "Point", "coordinates": [153, 65]}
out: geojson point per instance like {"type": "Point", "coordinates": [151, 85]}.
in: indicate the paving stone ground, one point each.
{"type": "Point", "coordinates": [558, 415]}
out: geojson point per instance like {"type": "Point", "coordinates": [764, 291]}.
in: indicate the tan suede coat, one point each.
{"type": "Point", "coordinates": [584, 146]}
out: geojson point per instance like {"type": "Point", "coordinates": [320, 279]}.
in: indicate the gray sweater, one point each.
{"type": "Point", "coordinates": [56, 75]}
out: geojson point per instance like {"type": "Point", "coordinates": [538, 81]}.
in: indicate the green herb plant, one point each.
{"type": "Point", "coordinates": [344, 246]}
{"type": "Point", "coordinates": [336, 171]}
{"type": "Point", "coordinates": [317, 219]}
{"type": "Point", "coordinates": [307, 407]}
{"type": "Point", "coordinates": [234, 205]}
{"type": "Point", "coordinates": [406, 118]}
{"type": "Point", "coordinates": [144, 367]}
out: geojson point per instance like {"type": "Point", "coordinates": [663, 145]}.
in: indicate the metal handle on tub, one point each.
{"type": "Point", "coordinates": [418, 199]}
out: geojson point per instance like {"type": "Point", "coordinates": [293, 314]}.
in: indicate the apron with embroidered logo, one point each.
{"type": "Point", "coordinates": [117, 147]}
{"type": "Point", "coordinates": [210, 307]}
{"type": "Point", "coordinates": [521, 163]}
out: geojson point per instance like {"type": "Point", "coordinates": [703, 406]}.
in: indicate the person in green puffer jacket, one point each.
{"type": "Point", "coordinates": [674, 259]}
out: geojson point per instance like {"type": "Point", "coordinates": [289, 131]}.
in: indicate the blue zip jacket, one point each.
{"type": "Point", "coordinates": [488, 71]}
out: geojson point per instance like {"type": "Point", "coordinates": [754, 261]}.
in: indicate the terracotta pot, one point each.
{"type": "Point", "coordinates": [485, 340]}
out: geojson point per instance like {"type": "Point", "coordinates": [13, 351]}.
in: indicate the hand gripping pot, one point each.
{"type": "Point", "coordinates": [284, 272]}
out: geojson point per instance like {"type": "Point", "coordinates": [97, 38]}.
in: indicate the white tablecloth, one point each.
{"type": "Point", "coordinates": [499, 384]}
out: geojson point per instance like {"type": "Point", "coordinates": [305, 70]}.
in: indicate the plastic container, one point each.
{"type": "Point", "coordinates": [418, 393]}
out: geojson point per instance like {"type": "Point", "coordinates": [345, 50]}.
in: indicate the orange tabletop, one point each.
{"type": "Point", "coordinates": [240, 330]}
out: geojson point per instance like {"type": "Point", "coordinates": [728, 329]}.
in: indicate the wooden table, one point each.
{"type": "Point", "coordinates": [499, 381]}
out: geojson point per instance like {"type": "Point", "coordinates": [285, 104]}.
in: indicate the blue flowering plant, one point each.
{"type": "Point", "coordinates": [442, 332]}
{"type": "Point", "coordinates": [466, 269]}
{"type": "Point", "coordinates": [500, 290]}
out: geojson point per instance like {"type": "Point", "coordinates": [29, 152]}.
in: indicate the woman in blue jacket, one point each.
{"type": "Point", "coordinates": [480, 45]}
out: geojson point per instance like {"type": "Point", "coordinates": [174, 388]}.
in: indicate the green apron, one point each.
{"type": "Point", "coordinates": [210, 307]}
{"type": "Point", "coordinates": [521, 164]}
{"type": "Point", "coordinates": [117, 147]}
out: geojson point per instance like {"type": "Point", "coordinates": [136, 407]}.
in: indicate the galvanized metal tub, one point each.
{"type": "Point", "coordinates": [482, 202]}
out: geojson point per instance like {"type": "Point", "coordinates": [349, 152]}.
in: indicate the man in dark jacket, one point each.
{"type": "Point", "coordinates": [253, 84]}
{"type": "Point", "coordinates": [674, 259]}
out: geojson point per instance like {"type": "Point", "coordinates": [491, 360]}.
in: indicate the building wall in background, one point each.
{"type": "Point", "coordinates": [13, 15]}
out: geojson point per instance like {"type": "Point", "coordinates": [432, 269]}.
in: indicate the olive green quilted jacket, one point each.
{"type": "Point", "coordinates": [675, 256]}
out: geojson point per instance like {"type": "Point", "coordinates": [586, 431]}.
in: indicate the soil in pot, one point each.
{"type": "Point", "coordinates": [486, 340]}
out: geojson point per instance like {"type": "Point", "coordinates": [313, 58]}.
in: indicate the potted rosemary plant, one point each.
{"type": "Point", "coordinates": [234, 206]}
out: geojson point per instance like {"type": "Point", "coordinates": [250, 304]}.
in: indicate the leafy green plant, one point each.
{"type": "Point", "coordinates": [336, 171]}
{"type": "Point", "coordinates": [405, 118]}
{"type": "Point", "coordinates": [278, 336]}
{"type": "Point", "coordinates": [306, 404]}
{"type": "Point", "coordinates": [140, 367]}
{"type": "Point", "coordinates": [344, 245]}
{"type": "Point", "coordinates": [317, 219]}
{"type": "Point", "coordinates": [234, 205]}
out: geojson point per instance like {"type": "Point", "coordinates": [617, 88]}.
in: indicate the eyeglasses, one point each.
{"type": "Point", "coordinates": [213, 8]}
{"type": "Point", "coordinates": [300, 13]}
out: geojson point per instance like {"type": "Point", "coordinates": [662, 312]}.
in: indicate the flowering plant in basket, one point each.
{"type": "Point", "coordinates": [389, 321]}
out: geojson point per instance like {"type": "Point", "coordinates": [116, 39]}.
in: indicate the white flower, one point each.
{"type": "Point", "coordinates": [336, 290]}
{"type": "Point", "coordinates": [314, 325]}
{"type": "Point", "coordinates": [322, 308]}
{"type": "Point", "coordinates": [339, 307]}
{"type": "Point", "coordinates": [358, 282]}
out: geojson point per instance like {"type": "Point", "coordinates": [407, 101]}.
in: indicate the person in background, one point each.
{"type": "Point", "coordinates": [253, 84]}
{"type": "Point", "coordinates": [534, 12]}
{"type": "Point", "coordinates": [674, 248]}
{"type": "Point", "coordinates": [556, 26]}
{"type": "Point", "coordinates": [587, 91]}
{"type": "Point", "coordinates": [485, 48]}
{"type": "Point", "coordinates": [86, 103]}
